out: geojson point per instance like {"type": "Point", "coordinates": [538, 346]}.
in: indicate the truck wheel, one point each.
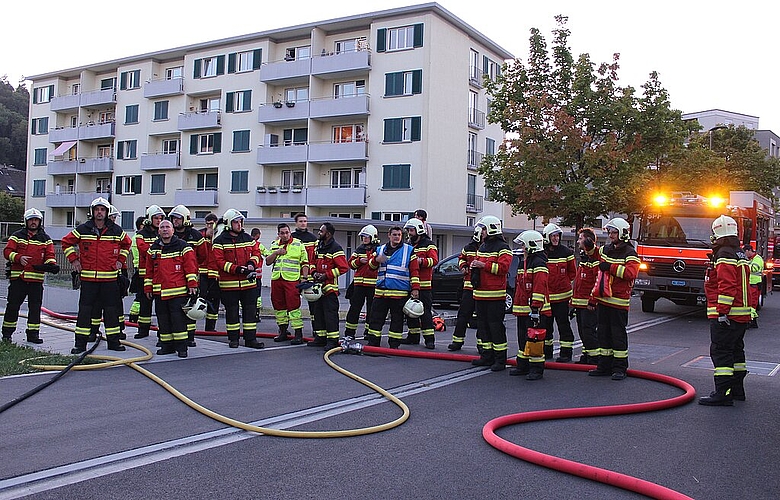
{"type": "Point", "coordinates": [648, 304]}
{"type": "Point", "coordinates": [761, 295]}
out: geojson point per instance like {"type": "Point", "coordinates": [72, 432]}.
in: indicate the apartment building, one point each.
{"type": "Point", "coordinates": [361, 119]}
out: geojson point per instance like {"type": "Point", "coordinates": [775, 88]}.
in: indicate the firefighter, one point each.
{"type": "Point", "coordinates": [136, 283]}
{"type": "Point", "coordinates": [124, 282]}
{"type": "Point", "coordinates": [427, 256]}
{"type": "Point", "coordinates": [97, 250]}
{"type": "Point", "coordinates": [756, 277]}
{"type": "Point", "coordinates": [329, 263]}
{"type": "Point", "coordinates": [256, 234]}
{"type": "Point", "coordinates": [183, 230]}
{"type": "Point", "coordinates": [290, 262]}
{"type": "Point", "coordinates": [30, 251]}
{"type": "Point", "coordinates": [209, 274]}
{"type": "Point", "coordinates": [729, 313]}
{"type": "Point", "coordinates": [530, 304]}
{"type": "Point", "coordinates": [563, 269]}
{"type": "Point", "coordinates": [466, 307]}
{"type": "Point", "coordinates": [619, 263]}
{"type": "Point", "coordinates": [364, 281]}
{"type": "Point", "coordinates": [237, 258]}
{"type": "Point", "coordinates": [488, 276]}
{"type": "Point", "coordinates": [587, 322]}
{"type": "Point", "coordinates": [171, 277]}
{"type": "Point", "coordinates": [309, 241]}
{"type": "Point", "coordinates": [397, 279]}
{"type": "Point", "coordinates": [143, 240]}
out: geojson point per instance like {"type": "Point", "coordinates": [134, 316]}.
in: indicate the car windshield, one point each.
{"type": "Point", "coordinates": [669, 230]}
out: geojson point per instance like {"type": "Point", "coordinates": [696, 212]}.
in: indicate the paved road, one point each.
{"type": "Point", "coordinates": [113, 433]}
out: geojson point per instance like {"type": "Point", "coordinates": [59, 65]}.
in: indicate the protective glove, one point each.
{"type": "Point", "coordinates": [242, 270]}
{"type": "Point", "coordinates": [724, 320]}
{"type": "Point", "coordinates": [604, 266]}
{"type": "Point", "coordinates": [47, 268]}
{"type": "Point", "coordinates": [251, 276]}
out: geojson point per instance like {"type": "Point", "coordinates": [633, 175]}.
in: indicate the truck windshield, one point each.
{"type": "Point", "coordinates": [668, 230]}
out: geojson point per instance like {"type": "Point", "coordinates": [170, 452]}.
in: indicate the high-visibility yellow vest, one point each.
{"type": "Point", "coordinates": [756, 270]}
{"type": "Point", "coordinates": [288, 266]}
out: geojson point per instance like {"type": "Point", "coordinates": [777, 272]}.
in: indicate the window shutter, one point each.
{"type": "Point", "coordinates": [137, 74]}
{"type": "Point", "coordinates": [123, 81]}
{"type": "Point", "coordinates": [232, 62]}
{"type": "Point", "coordinates": [389, 130]}
{"type": "Point", "coordinates": [35, 96]}
{"type": "Point", "coordinates": [51, 92]}
{"type": "Point", "coordinates": [417, 81]}
{"type": "Point", "coordinates": [376, 215]}
{"type": "Point", "coordinates": [390, 84]}
{"type": "Point", "coordinates": [118, 184]}
{"type": "Point", "coordinates": [257, 58]}
{"type": "Point", "coordinates": [229, 102]}
{"type": "Point", "coordinates": [247, 100]}
{"type": "Point", "coordinates": [418, 35]}
{"type": "Point", "coordinates": [220, 65]}
{"type": "Point", "coordinates": [194, 144]}
{"type": "Point", "coordinates": [33, 123]}
{"type": "Point", "coordinates": [381, 36]}
{"type": "Point", "coordinates": [218, 142]}
{"type": "Point", "coordinates": [416, 128]}
{"type": "Point", "coordinates": [120, 150]}
{"type": "Point", "coordinates": [196, 69]}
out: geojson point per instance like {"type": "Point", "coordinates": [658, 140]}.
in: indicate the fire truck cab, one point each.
{"type": "Point", "coordinates": [673, 243]}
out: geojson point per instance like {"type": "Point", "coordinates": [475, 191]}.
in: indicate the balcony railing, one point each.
{"type": "Point", "coordinates": [323, 196]}
{"type": "Point", "coordinates": [279, 112]}
{"type": "Point", "coordinates": [341, 65]}
{"type": "Point", "coordinates": [473, 159]}
{"type": "Point", "coordinates": [61, 200]}
{"type": "Point", "coordinates": [279, 155]}
{"type": "Point", "coordinates": [285, 71]}
{"type": "Point", "coordinates": [325, 152]}
{"type": "Point", "coordinates": [343, 106]}
{"type": "Point", "coordinates": [474, 203]}
{"type": "Point", "coordinates": [64, 134]}
{"type": "Point", "coordinates": [196, 198]}
{"type": "Point", "coordinates": [95, 165]}
{"type": "Point", "coordinates": [163, 87]}
{"type": "Point", "coordinates": [160, 161]}
{"type": "Point", "coordinates": [97, 98]}
{"type": "Point", "coordinates": [197, 120]}
{"type": "Point", "coordinates": [61, 167]}
{"type": "Point", "coordinates": [94, 131]}
{"type": "Point", "coordinates": [65, 102]}
{"type": "Point", "coordinates": [475, 76]}
{"type": "Point", "coordinates": [476, 118]}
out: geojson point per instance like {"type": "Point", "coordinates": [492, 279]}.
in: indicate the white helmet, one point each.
{"type": "Point", "coordinates": [414, 308]}
{"type": "Point", "coordinates": [313, 293]}
{"type": "Point", "coordinates": [531, 240]}
{"type": "Point", "coordinates": [724, 226]}
{"type": "Point", "coordinates": [113, 211]}
{"type": "Point", "coordinates": [417, 224]}
{"type": "Point", "coordinates": [100, 201]}
{"type": "Point", "coordinates": [182, 212]}
{"type": "Point", "coordinates": [196, 308]}
{"type": "Point", "coordinates": [153, 211]}
{"type": "Point", "coordinates": [371, 232]}
{"type": "Point", "coordinates": [492, 224]}
{"type": "Point", "coordinates": [622, 227]}
{"type": "Point", "coordinates": [477, 237]}
{"type": "Point", "coordinates": [549, 230]}
{"type": "Point", "coordinates": [232, 214]}
{"type": "Point", "coordinates": [33, 213]}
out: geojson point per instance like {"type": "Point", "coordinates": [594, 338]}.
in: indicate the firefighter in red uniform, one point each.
{"type": "Point", "coordinates": [619, 263]}
{"type": "Point", "coordinates": [466, 307]}
{"type": "Point", "coordinates": [530, 303]}
{"type": "Point", "coordinates": [563, 270]}
{"type": "Point", "coordinates": [30, 252]}
{"type": "Point", "coordinates": [209, 274]}
{"type": "Point", "coordinates": [329, 263]}
{"type": "Point", "coordinates": [143, 240]}
{"type": "Point", "coordinates": [728, 308]}
{"type": "Point", "coordinates": [171, 277]}
{"type": "Point", "coordinates": [587, 322]}
{"type": "Point", "coordinates": [237, 258]}
{"type": "Point", "coordinates": [97, 250]}
{"type": "Point", "coordinates": [182, 228]}
{"type": "Point", "coordinates": [427, 256]}
{"type": "Point", "coordinates": [488, 276]}
{"type": "Point", "coordinates": [364, 280]}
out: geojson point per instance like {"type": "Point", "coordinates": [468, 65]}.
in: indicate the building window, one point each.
{"type": "Point", "coordinates": [174, 73]}
{"type": "Point", "coordinates": [403, 129]}
{"type": "Point", "coordinates": [396, 176]}
{"type": "Point", "coordinates": [239, 181]}
{"type": "Point", "coordinates": [40, 156]}
{"type": "Point", "coordinates": [127, 220]}
{"type": "Point", "coordinates": [75, 89]}
{"type": "Point", "coordinates": [108, 83]}
{"type": "Point", "coordinates": [206, 144]}
{"type": "Point", "coordinates": [244, 61]}
{"type": "Point", "coordinates": [105, 151]}
{"type": "Point", "coordinates": [39, 188]}
{"type": "Point", "coordinates": [297, 53]}
{"type": "Point", "coordinates": [201, 214]}
{"type": "Point", "coordinates": [405, 37]}
{"type": "Point", "coordinates": [403, 83]}
{"type": "Point", "coordinates": [209, 104]}
{"type": "Point", "coordinates": [129, 184]}
{"type": "Point", "coordinates": [351, 45]}
{"type": "Point", "coordinates": [292, 178]}
{"type": "Point", "coordinates": [131, 114]}
{"type": "Point", "coordinates": [209, 66]}
{"type": "Point", "coordinates": [170, 146]}
{"type": "Point", "coordinates": [240, 141]}
{"type": "Point", "coordinates": [43, 94]}
{"type": "Point", "coordinates": [490, 146]}
{"type": "Point", "coordinates": [475, 75]}
{"type": "Point", "coordinates": [158, 184]}
{"type": "Point", "coordinates": [490, 68]}
{"type": "Point", "coordinates": [207, 182]}
{"type": "Point", "coordinates": [296, 94]}
{"type": "Point", "coordinates": [39, 126]}
{"type": "Point", "coordinates": [349, 89]}
{"type": "Point", "coordinates": [129, 80]}
{"type": "Point", "coordinates": [344, 178]}
{"type": "Point", "coordinates": [105, 117]}
{"type": "Point", "coordinates": [348, 133]}
{"type": "Point", "coordinates": [126, 150]}
{"type": "Point", "coordinates": [236, 102]}
{"type": "Point", "coordinates": [160, 110]}
{"type": "Point", "coordinates": [295, 136]}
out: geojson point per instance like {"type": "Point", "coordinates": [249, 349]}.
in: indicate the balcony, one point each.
{"type": "Point", "coordinates": [85, 199]}
{"type": "Point", "coordinates": [284, 72]}
{"type": "Point", "coordinates": [97, 98]}
{"type": "Point", "coordinates": [283, 112]}
{"type": "Point", "coordinates": [338, 151]}
{"type": "Point", "coordinates": [101, 165]}
{"type": "Point", "coordinates": [196, 198]}
{"type": "Point", "coordinates": [341, 107]}
{"type": "Point", "coordinates": [473, 159]}
{"type": "Point", "coordinates": [199, 120]}
{"type": "Point", "coordinates": [278, 196]}
{"type": "Point", "coordinates": [160, 161]}
{"type": "Point", "coordinates": [58, 232]}
{"type": "Point", "coordinates": [65, 103]}
{"type": "Point", "coordinates": [326, 196]}
{"type": "Point", "coordinates": [342, 65]}
{"type": "Point", "coordinates": [160, 88]}
{"type": "Point", "coordinates": [475, 77]}
{"type": "Point", "coordinates": [64, 134]}
{"type": "Point", "coordinates": [282, 155]}
{"type": "Point", "coordinates": [61, 200]}
{"type": "Point", "coordinates": [97, 131]}
{"type": "Point", "coordinates": [474, 203]}
{"type": "Point", "coordinates": [61, 167]}
{"type": "Point", "coordinates": [476, 118]}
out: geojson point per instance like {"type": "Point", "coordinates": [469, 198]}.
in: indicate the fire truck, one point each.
{"type": "Point", "coordinates": [673, 243]}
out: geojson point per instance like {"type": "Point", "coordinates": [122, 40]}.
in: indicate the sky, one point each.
{"type": "Point", "coordinates": [709, 54]}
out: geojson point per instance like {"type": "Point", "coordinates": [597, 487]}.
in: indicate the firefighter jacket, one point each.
{"type": "Point", "coordinates": [468, 254]}
{"type": "Point", "coordinates": [400, 274]}
{"type": "Point", "coordinates": [329, 259]}
{"type": "Point", "coordinates": [263, 254]}
{"type": "Point", "coordinates": [756, 270]}
{"type": "Point", "coordinates": [194, 239]}
{"type": "Point", "coordinates": [37, 246]}
{"type": "Point", "coordinates": [143, 240]}
{"type": "Point", "coordinates": [563, 270]}
{"type": "Point", "coordinates": [288, 266]}
{"type": "Point", "coordinates": [497, 256]}
{"type": "Point", "coordinates": [711, 288]}
{"type": "Point", "coordinates": [624, 266]}
{"type": "Point", "coordinates": [531, 285]}
{"type": "Point", "coordinates": [171, 268]}
{"type": "Point", "coordinates": [587, 271]}
{"type": "Point", "coordinates": [232, 253]}
{"type": "Point", "coordinates": [427, 256]}
{"type": "Point", "coordinates": [210, 268]}
{"type": "Point", "coordinates": [364, 275]}
{"type": "Point", "coordinates": [98, 250]}
{"type": "Point", "coordinates": [730, 276]}
{"type": "Point", "coordinates": [309, 241]}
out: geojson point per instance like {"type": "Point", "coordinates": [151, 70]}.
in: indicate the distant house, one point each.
{"type": "Point", "coordinates": [12, 180]}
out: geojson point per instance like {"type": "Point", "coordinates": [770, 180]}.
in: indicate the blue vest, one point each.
{"type": "Point", "coordinates": [394, 274]}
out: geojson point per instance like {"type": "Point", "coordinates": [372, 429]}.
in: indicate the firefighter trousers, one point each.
{"type": "Point", "coordinates": [379, 310]}
{"type": "Point", "coordinates": [465, 313]}
{"type": "Point", "coordinates": [490, 325]}
{"type": "Point", "coordinates": [171, 320]}
{"type": "Point", "coordinates": [99, 296]}
{"type": "Point", "coordinates": [560, 316]}
{"type": "Point", "coordinates": [587, 325]}
{"type": "Point", "coordinates": [326, 316]}
{"type": "Point", "coordinates": [424, 323]}
{"type": "Point", "coordinates": [613, 338]}
{"type": "Point", "coordinates": [18, 290]}
{"type": "Point", "coordinates": [361, 295]}
{"type": "Point", "coordinates": [247, 297]}
{"type": "Point", "coordinates": [727, 350]}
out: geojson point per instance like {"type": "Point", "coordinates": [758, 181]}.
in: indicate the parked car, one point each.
{"type": "Point", "coordinates": [447, 283]}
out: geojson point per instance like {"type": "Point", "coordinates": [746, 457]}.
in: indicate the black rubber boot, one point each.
{"type": "Point", "coordinates": [298, 340]}
{"type": "Point", "coordinates": [190, 342]}
{"type": "Point", "coordinates": [394, 343]}
{"type": "Point", "coordinates": [181, 348]}
{"type": "Point", "coordinates": [455, 346]}
{"type": "Point", "coordinates": [33, 336]}
{"type": "Point", "coordinates": [331, 344]}
{"type": "Point", "coordinates": [548, 352]}
{"type": "Point", "coordinates": [535, 371]}
{"type": "Point", "coordinates": [564, 356]}
{"type": "Point", "coordinates": [284, 335]}
{"type": "Point", "coordinates": [373, 340]}
{"type": "Point", "coordinates": [499, 361]}
{"type": "Point", "coordinates": [211, 325]}
{"type": "Point", "coordinates": [738, 385]}
{"type": "Point", "coordinates": [81, 344]}
{"type": "Point", "coordinates": [233, 340]}
{"type": "Point", "coordinates": [319, 341]}
{"type": "Point", "coordinates": [93, 334]}
{"type": "Point", "coordinates": [485, 359]}
{"type": "Point", "coordinates": [142, 333]}
{"type": "Point", "coordinates": [253, 344]}
{"type": "Point", "coordinates": [411, 339]}
{"type": "Point", "coordinates": [168, 347]}
{"type": "Point", "coordinates": [722, 394]}
{"type": "Point", "coordinates": [114, 344]}
{"type": "Point", "coordinates": [522, 367]}
{"type": "Point", "coordinates": [430, 342]}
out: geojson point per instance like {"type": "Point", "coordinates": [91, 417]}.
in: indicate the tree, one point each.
{"type": "Point", "coordinates": [14, 106]}
{"type": "Point", "coordinates": [11, 208]}
{"type": "Point", "coordinates": [579, 145]}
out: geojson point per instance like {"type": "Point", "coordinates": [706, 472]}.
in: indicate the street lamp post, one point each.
{"type": "Point", "coordinates": [717, 127]}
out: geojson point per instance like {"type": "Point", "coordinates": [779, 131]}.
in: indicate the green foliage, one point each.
{"type": "Point", "coordinates": [16, 359]}
{"type": "Point", "coordinates": [11, 208]}
{"type": "Point", "coordinates": [14, 106]}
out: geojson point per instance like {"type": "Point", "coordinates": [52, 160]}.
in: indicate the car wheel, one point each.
{"type": "Point", "coordinates": [648, 305]}
{"type": "Point", "coordinates": [508, 302]}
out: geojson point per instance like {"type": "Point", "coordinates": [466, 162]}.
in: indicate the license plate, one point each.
{"type": "Point", "coordinates": [678, 283]}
